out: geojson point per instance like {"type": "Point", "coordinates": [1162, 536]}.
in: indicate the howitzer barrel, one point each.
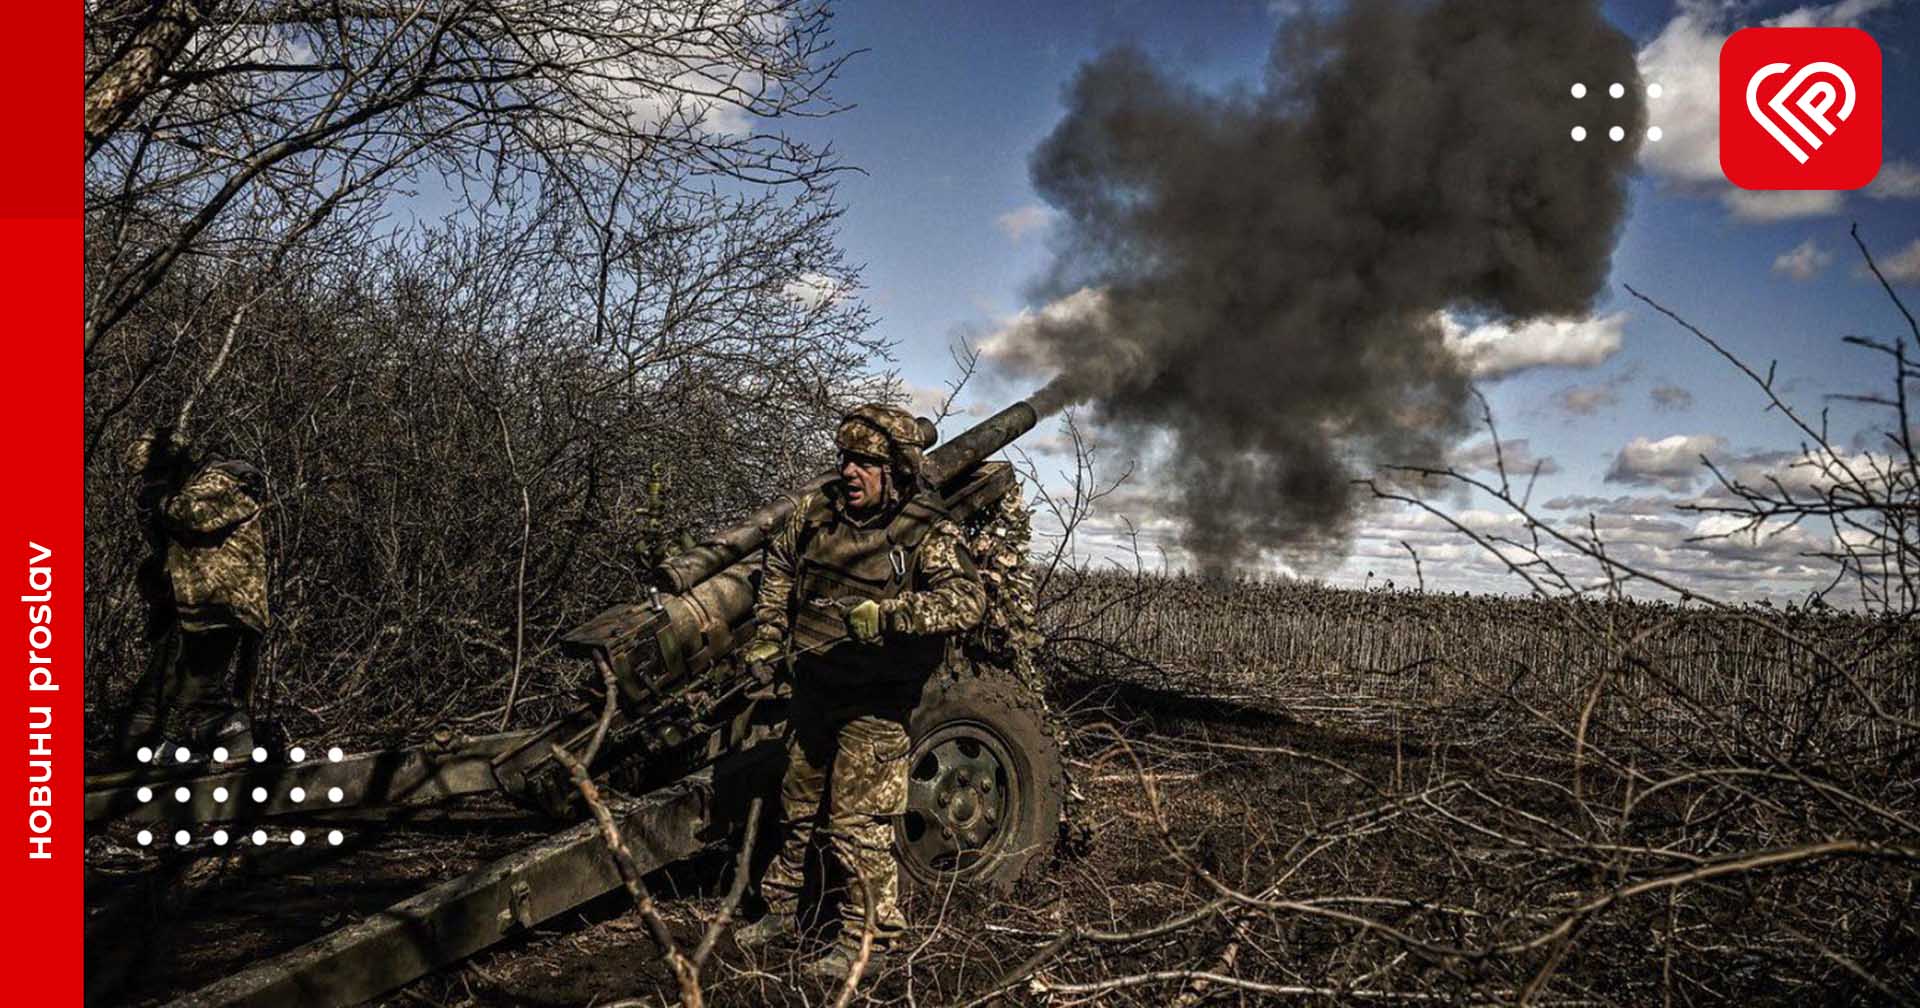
{"type": "Point", "coordinates": [973, 445]}
{"type": "Point", "coordinates": [681, 573]}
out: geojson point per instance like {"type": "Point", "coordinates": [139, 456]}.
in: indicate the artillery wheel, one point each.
{"type": "Point", "coordinates": [984, 785]}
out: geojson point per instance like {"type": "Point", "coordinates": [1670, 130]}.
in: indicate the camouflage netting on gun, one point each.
{"type": "Point", "coordinates": [1009, 633]}
{"type": "Point", "coordinates": [999, 537]}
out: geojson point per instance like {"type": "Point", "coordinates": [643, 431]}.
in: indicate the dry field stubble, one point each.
{"type": "Point", "coordinates": [1292, 793]}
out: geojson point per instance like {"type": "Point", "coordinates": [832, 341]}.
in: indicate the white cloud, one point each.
{"type": "Point", "coordinates": [1812, 475]}
{"type": "Point", "coordinates": [1014, 344]}
{"type": "Point", "coordinates": [1645, 533]}
{"type": "Point", "coordinates": [1018, 224]}
{"type": "Point", "coordinates": [1736, 537]}
{"type": "Point", "coordinates": [1844, 14]}
{"type": "Point", "coordinates": [923, 400]}
{"type": "Point", "coordinates": [926, 400]}
{"type": "Point", "coordinates": [1661, 507]}
{"type": "Point", "coordinates": [1782, 204]}
{"type": "Point", "coordinates": [1903, 266]}
{"type": "Point", "coordinates": [1671, 462]}
{"type": "Point", "coordinates": [815, 290]}
{"type": "Point", "coordinates": [1720, 525]}
{"type": "Point", "coordinates": [1803, 261]}
{"type": "Point", "coordinates": [1684, 59]}
{"type": "Point", "coordinates": [1496, 349]}
{"type": "Point", "coordinates": [1515, 454]}
{"type": "Point", "coordinates": [701, 71]}
{"type": "Point", "coordinates": [1897, 180]}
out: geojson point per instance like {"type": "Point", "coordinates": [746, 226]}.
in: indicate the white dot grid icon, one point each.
{"type": "Point", "coordinates": [1615, 133]}
{"type": "Point", "coordinates": [259, 837]}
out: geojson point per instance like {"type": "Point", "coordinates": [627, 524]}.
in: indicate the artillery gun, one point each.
{"type": "Point", "coordinates": [683, 740]}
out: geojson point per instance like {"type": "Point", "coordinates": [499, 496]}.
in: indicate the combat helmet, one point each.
{"type": "Point", "coordinates": [887, 434]}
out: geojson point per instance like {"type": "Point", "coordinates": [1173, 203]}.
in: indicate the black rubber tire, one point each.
{"type": "Point", "coordinates": [989, 708]}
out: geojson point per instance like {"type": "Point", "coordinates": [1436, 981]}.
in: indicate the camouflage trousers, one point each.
{"type": "Point", "coordinates": [852, 768]}
{"type": "Point", "coordinates": [188, 691]}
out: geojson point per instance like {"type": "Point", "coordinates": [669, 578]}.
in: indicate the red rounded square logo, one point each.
{"type": "Point", "coordinates": [1800, 108]}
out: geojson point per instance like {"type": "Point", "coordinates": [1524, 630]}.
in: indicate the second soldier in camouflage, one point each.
{"type": "Point", "coordinates": [206, 588]}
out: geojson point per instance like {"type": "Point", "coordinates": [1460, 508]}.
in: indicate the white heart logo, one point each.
{"type": "Point", "coordinates": [1814, 102]}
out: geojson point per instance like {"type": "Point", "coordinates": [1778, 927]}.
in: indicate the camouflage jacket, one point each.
{"type": "Point", "coordinates": [216, 550]}
{"type": "Point", "coordinates": [944, 598]}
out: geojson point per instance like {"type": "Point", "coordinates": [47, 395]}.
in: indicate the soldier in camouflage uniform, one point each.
{"type": "Point", "coordinates": [205, 583]}
{"type": "Point", "coordinates": [860, 590]}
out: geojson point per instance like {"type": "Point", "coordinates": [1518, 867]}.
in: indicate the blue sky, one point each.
{"type": "Point", "coordinates": [950, 99]}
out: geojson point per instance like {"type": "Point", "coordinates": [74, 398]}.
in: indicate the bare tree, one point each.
{"type": "Point", "coordinates": [497, 293]}
{"type": "Point", "coordinates": [218, 127]}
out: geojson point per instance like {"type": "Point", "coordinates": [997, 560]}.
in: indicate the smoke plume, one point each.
{"type": "Point", "coordinates": [1251, 280]}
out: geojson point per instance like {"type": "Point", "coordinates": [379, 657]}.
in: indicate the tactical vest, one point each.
{"type": "Point", "coordinates": [837, 565]}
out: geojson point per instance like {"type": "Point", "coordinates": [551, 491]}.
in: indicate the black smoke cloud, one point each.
{"type": "Point", "coordinates": [1249, 280]}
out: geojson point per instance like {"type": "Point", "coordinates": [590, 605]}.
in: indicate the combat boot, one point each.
{"type": "Point", "coordinates": [234, 734]}
{"type": "Point", "coordinates": [141, 733]}
{"type": "Point", "coordinates": [141, 727]}
{"type": "Point", "coordinates": [221, 727]}
{"type": "Point", "coordinates": [772, 926]}
{"type": "Point", "coordinates": [838, 961]}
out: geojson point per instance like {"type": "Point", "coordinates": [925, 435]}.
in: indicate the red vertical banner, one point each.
{"type": "Point", "coordinates": [42, 846]}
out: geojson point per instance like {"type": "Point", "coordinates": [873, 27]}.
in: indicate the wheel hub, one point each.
{"type": "Point", "coordinates": [957, 798]}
